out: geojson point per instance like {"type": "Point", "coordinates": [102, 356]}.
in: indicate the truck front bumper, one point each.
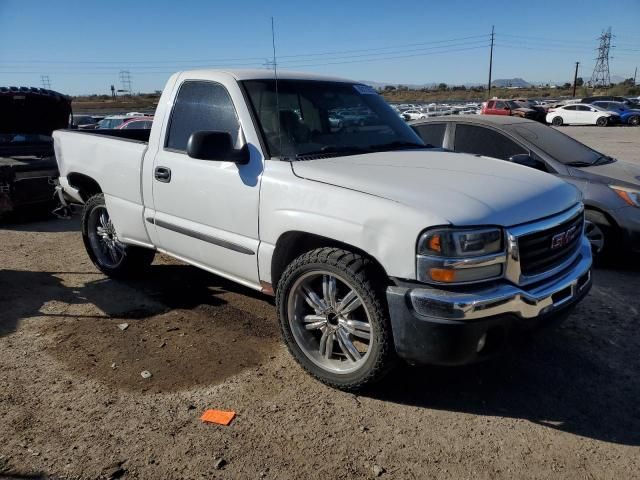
{"type": "Point", "coordinates": [453, 327]}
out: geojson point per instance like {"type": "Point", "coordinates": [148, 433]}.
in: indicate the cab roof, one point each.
{"type": "Point", "coordinates": [266, 74]}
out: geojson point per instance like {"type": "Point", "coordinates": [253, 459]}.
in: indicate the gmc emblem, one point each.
{"type": "Point", "coordinates": [564, 238]}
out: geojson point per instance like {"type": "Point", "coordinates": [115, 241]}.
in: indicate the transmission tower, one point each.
{"type": "Point", "coordinates": [125, 80]}
{"type": "Point", "coordinates": [46, 83]}
{"type": "Point", "coordinates": [600, 76]}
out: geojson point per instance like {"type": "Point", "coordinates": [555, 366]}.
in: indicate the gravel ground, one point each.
{"type": "Point", "coordinates": [74, 405]}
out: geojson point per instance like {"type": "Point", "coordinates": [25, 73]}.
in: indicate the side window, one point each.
{"type": "Point", "coordinates": [200, 105]}
{"type": "Point", "coordinates": [571, 107]}
{"type": "Point", "coordinates": [584, 108]}
{"type": "Point", "coordinates": [500, 105]}
{"type": "Point", "coordinates": [484, 141]}
{"type": "Point", "coordinates": [432, 133]}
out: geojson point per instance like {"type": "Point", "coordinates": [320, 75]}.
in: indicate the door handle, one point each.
{"type": "Point", "coordinates": [162, 174]}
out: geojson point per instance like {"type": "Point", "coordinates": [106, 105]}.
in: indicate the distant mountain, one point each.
{"type": "Point", "coordinates": [510, 82]}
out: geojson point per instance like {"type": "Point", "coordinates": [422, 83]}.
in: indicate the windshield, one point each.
{"type": "Point", "coordinates": [559, 146]}
{"type": "Point", "coordinates": [316, 117]}
{"type": "Point", "coordinates": [110, 122]}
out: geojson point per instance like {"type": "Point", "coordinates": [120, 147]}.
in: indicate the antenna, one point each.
{"type": "Point", "coordinates": [275, 73]}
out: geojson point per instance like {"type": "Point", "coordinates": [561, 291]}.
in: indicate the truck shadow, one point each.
{"type": "Point", "coordinates": [557, 380]}
{"type": "Point", "coordinates": [178, 325]}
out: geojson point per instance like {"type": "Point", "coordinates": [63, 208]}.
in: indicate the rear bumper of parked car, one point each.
{"type": "Point", "coordinates": [447, 327]}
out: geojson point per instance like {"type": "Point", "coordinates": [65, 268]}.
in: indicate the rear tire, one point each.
{"type": "Point", "coordinates": [557, 121]}
{"type": "Point", "coordinates": [634, 121]}
{"type": "Point", "coordinates": [602, 121]}
{"type": "Point", "coordinates": [334, 318]}
{"type": "Point", "coordinates": [112, 257]}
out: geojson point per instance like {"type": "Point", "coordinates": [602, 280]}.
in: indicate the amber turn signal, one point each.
{"type": "Point", "coordinates": [434, 244]}
{"type": "Point", "coordinates": [442, 275]}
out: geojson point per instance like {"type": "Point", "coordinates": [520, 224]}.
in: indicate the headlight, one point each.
{"type": "Point", "coordinates": [631, 197]}
{"type": "Point", "coordinates": [455, 256]}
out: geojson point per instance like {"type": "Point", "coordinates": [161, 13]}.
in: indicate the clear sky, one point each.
{"type": "Point", "coordinates": [83, 45]}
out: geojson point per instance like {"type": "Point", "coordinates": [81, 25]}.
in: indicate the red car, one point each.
{"type": "Point", "coordinates": [507, 107]}
{"type": "Point", "coordinates": [138, 123]}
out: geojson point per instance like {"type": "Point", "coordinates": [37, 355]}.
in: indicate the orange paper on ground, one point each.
{"type": "Point", "coordinates": [221, 417]}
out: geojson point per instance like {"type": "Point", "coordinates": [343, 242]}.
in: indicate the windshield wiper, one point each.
{"type": "Point", "coordinates": [604, 159]}
{"type": "Point", "coordinates": [580, 164]}
{"type": "Point", "coordinates": [399, 145]}
{"type": "Point", "coordinates": [334, 149]}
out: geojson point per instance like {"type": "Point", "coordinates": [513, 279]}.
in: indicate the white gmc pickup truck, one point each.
{"type": "Point", "coordinates": [312, 189]}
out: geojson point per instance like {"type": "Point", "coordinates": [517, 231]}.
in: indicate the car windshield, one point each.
{"type": "Point", "coordinates": [559, 146]}
{"type": "Point", "coordinates": [110, 122]}
{"type": "Point", "coordinates": [362, 120]}
{"type": "Point", "coordinates": [513, 105]}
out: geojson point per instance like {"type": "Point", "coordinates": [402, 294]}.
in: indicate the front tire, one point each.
{"type": "Point", "coordinates": [601, 235]}
{"type": "Point", "coordinates": [111, 256]}
{"type": "Point", "coordinates": [602, 121]}
{"type": "Point", "coordinates": [334, 319]}
{"type": "Point", "coordinates": [557, 121]}
{"type": "Point", "coordinates": [634, 121]}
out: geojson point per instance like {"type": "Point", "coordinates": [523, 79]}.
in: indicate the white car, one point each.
{"type": "Point", "coordinates": [413, 115]}
{"type": "Point", "coordinates": [581, 114]}
{"type": "Point", "coordinates": [374, 244]}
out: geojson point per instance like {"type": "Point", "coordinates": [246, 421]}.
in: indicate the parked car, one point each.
{"type": "Point", "coordinates": [413, 114]}
{"type": "Point", "coordinates": [113, 121]}
{"type": "Point", "coordinates": [581, 114]}
{"type": "Point", "coordinates": [627, 115]}
{"type": "Point", "coordinates": [136, 123]}
{"type": "Point", "coordinates": [610, 187]}
{"type": "Point", "coordinates": [373, 244]}
{"type": "Point", "coordinates": [27, 164]}
{"type": "Point", "coordinates": [507, 107]}
{"type": "Point", "coordinates": [611, 98]}
{"type": "Point", "coordinates": [541, 111]}
{"type": "Point", "coordinates": [83, 122]}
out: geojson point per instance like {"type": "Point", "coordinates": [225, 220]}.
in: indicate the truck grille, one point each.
{"type": "Point", "coordinates": [542, 251]}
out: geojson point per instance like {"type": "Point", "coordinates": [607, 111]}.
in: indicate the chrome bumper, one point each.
{"type": "Point", "coordinates": [503, 298]}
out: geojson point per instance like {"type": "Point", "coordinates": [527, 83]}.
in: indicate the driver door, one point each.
{"type": "Point", "coordinates": [206, 211]}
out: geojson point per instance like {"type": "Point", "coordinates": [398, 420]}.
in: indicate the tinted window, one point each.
{"type": "Point", "coordinates": [557, 145]}
{"type": "Point", "coordinates": [484, 141]}
{"type": "Point", "coordinates": [571, 107]}
{"type": "Point", "coordinates": [432, 133]}
{"type": "Point", "coordinates": [201, 105]}
{"type": "Point", "coordinates": [584, 108]}
{"type": "Point", "coordinates": [500, 105]}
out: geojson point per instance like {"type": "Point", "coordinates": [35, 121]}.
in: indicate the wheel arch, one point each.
{"type": "Point", "coordinates": [292, 244]}
{"type": "Point", "coordinates": [86, 186]}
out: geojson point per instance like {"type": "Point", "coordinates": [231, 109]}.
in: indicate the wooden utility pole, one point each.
{"type": "Point", "coordinates": [635, 75]}
{"type": "Point", "coordinates": [490, 61]}
{"type": "Point", "coordinates": [575, 80]}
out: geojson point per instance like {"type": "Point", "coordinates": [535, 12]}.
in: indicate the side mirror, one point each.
{"type": "Point", "coordinates": [528, 161]}
{"type": "Point", "coordinates": [212, 145]}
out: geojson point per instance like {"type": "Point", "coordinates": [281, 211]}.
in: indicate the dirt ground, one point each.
{"type": "Point", "coordinates": [73, 403]}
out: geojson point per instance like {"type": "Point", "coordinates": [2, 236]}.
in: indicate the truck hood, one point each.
{"type": "Point", "coordinates": [460, 189]}
{"type": "Point", "coordinates": [33, 111]}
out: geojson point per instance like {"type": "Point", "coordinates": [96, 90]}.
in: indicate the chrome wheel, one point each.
{"type": "Point", "coordinates": [109, 251]}
{"type": "Point", "coordinates": [595, 235]}
{"type": "Point", "coordinates": [330, 322]}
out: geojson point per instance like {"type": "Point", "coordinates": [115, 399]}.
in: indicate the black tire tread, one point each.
{"type": "Point", "coordinates": [365, 274]}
